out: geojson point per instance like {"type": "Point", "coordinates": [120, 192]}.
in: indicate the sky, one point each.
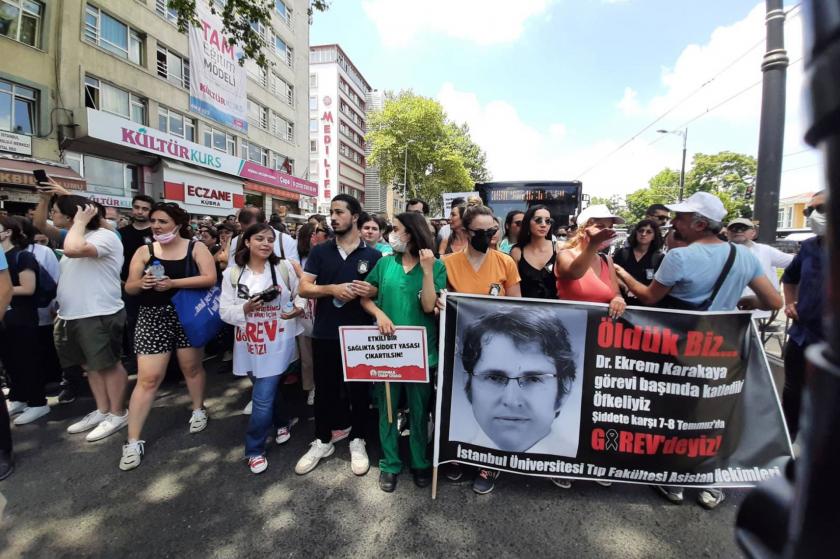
{"type": "Point", "coordinates": [552, 88]}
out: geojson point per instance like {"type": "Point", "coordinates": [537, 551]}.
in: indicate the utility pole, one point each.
{"type": "Point", "coordinates": [682, 169]}
{"type": "Point", "coordinates": [772, 129]}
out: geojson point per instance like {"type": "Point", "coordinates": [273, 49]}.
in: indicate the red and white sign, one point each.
{"type": "Point", "coordinates": [369, 356]}
{"type": "Point", "coordinates": [201, 193]}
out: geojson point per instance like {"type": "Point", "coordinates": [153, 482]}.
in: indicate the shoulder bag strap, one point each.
{"type": "Point", "coordinates": [190, 263]}
{"type": "Point", "coordinates": [722, 277]}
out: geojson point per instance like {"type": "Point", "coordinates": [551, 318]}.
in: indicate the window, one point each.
{"type": "Point", "coordinates": [106, 97]}
{"type": "Point", "coordinates": [282, 128]}
{"type": "Point", "coordinates": [313, 146]}
{"type": "Point", "coordinates": [253, 152]}
{"type": "Point", "coordinates": [313, 80]}
{"type": "Point", "coordinates": [257, 73]}
{"type": "Point", "coordinates": [284, 51]}
{"type": "Point", "coordinates": [351, 154]}
{"type": "Point", "coordinates": [313, 124]}
{"type": "Point", "coordinates": [260, 29]}
{"type": "Point", "coordinates": [172, 67]}
{"type": "Point", "coordinates": [313, 102]}
{"type": "Point", "coordinates": [17, 108]}
{"type": "Point", "coordinates": [104, 176]}
{"type": "Point", "coordinates": [283, 163]}
{"type": "Point", "coordinates": [257, 115]}
{"type": "Point", "coordinates": [176, 124]}
{"type": "Point", "coordinates": [282, 89]}
{"type": "Point", "coordinates": [220, 141]}
{"type": "Point", "coordinates": [167, 13]}
{"type": "Point", "coordinates": [112, 35]}
{"type": "Point", "coordinates": [20, 20]}
{"type": "Point", "coordinates": [283, 11]}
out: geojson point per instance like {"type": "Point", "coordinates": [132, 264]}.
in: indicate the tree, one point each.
{"type": "Point", "coordinates": [441, 156]}
{"type": "Point", "coordinates": [728, 175]}
{"type": "Point", "coordinates": [613, 203]}
{"type": "Point", "coordinates": [663, 188]}
{"type": "Point", "coordinates": [240, 19]}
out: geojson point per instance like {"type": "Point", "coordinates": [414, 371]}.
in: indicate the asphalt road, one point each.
{"type": "Point", "coordinates": [193, 496]}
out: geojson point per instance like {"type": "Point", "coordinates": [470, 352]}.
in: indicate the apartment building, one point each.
{"type": "Point", "coordinates": [112, 100]}
{"type": "Point", "coordinates": [337, 124]}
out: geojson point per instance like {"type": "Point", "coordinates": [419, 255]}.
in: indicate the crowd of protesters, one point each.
{"type": "Point", "coordinates": [80, 293]}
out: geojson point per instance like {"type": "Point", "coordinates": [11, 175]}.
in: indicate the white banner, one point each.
{"type": "Point", "coordinates": [217, 81]}
{"type": "Point", "coordinates": [449, 196]}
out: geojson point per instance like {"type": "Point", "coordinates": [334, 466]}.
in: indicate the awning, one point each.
{"type": "Point", "coordinates": [18, 172]}
{"type": "Point", "coordinates": [201, 192]}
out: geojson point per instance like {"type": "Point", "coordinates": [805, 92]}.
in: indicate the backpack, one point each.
{"type": "Point", "coordinates": [45, 286]}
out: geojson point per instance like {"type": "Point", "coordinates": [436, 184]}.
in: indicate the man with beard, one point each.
{"type": "Point", "coordinates": [333, 276]}
{"type": "Point", "coordinates": [804, 286]}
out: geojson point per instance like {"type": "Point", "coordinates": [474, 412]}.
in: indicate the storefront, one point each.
{"type": "Point", "coordinates": [18, 188]}
{"type": "Point", "coordinates": [198, 192]}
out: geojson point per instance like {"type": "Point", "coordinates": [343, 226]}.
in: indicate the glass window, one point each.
{"type": "Point", "coordinates": [220, 141]}
{"type": "Point", "coordinates": [313, 102]}
{"type": "Point", "coordinates": [170, 14]}
{"type": "Point", "coordinates": [105, 176]}
{"type": "Point", "coordinates": [20, 20]}
{"type": "Point", "coordinates": [172, 67]}
{"type": "Point", "coordinates": [313, 124]}
{"type": "Point", "coordinates": [106, 97]}
{"type": "Point", "coordinates": [112, 34]}
{"type": "Point", "coordinates": [114, 100]}
{"type": "Point", "coordinates": [313, 80]}
{"type": "Point", "coordinates": [17, 108]}
{"type": "Point", "coordinates": [313, 146]}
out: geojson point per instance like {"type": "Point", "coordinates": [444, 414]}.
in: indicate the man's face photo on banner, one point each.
{"type": "Point", "coordinates": [519, 370]}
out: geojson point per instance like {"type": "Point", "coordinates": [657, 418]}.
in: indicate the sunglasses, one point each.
{"type": "Point", "coordinates": [485, 232]}
{"type": "Point", "coordinates": [543, 220]}
{"type": "Point", "coordinates": [315, 232]}
{"type": "Point", "coordinates": [739, 228]}
{"type": "Point", "coordinates": [819, 208]}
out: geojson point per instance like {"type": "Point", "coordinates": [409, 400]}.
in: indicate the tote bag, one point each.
{"type": "Point", "coordinates": [198, 309]}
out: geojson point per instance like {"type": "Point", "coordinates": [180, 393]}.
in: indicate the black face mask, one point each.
{"type": "Point", "coordinates": [481, 241]}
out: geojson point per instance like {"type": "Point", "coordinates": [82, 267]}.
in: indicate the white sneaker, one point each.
{"type": "Point", "coordinates": [107, 427]}
{"type": "Point", "coordinates": [88, 422]}
{"type": "Point", "coordinates": [31, 414]}
{"type": "Point", "coordinates": [15, 407]}
{"type": "Point", "coordinates": [132, 455]}
{"type": "Point", "coordinates": [308, 461]}
{"type": "Point", "coordinates": [359, 462]}
{"type": "Point", "coordinates": [285, 433]}
{"type": "Point", "coordinates": [198, 421]}
{"type": "Point", "coordinates": [310, 398]}
{"type": "Point", "coordinates": [248, 408]}
{"type": "Point", "coordinates": [258, 464]}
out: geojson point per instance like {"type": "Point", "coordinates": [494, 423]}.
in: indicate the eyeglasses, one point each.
{"type": "Point", "coordinates": [316, 231]}
{"type": "Point", "coordinates": [543, 220]}
{"type": "Point", "coordinates": [498, 381]}
{"type": "Point", "coordinates": [819, 208]}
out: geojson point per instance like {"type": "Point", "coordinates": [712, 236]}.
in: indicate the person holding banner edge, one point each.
{"type": "Point", "coordinates": [412, 268]}
{"type": "Point", "coordinates": [334, 276]}
{"type": "Point", "coordinates": [478, 270]}
{"type": "Point", "coordinates": [708, 274]}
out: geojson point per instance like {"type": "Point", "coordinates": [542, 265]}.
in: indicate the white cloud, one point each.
{"type": "Point", "coordinates": [519, 151]}
{"type": "Point", "coordinates": [484, 22]}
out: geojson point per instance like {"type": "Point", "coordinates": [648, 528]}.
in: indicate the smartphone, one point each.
{"type": "Point", "coordinates": [40, 177]}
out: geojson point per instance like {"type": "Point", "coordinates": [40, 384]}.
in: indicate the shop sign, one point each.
{"type": "Point", "coordinates": [122, 202]}
{"type": "Point", "coordinates": [15, 143]}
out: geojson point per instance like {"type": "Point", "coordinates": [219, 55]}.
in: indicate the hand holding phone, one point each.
{"type": "Point", "coordinates": [41, 177]}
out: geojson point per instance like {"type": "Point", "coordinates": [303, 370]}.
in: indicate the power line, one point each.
{"type": "Point", "coordinates": [802, 167]}
{"type": "Point", "coordinates": [686, 98]}
{"type": "Point", "coordinates": [808, 150]}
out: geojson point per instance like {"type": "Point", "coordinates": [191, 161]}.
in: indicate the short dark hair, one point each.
{"type": "Point", "coordinates": [226, 227]}
{"type": "Point", "coordinates": [525, 230]}
{"type": "Point", "coordinates": [655, 243]}
{"type": "Point", "coordinates": [18, 238]}
{"type": "Point", "coordinates": [457, 202]}
{"type": "Point", "coordinates": [472, 212]}
{"type": "Point", "coordinates": [352, 203]}
{"type": "Point", "coordinates": [523, 325]}
{"type": "Point", "coordinates": [656, 208]}
{"type": "Point", "coordinates": [415, 201]}
{"type": "Point", "coordinates": [212, 231]}
{"type": "Point", "coordinates": [243, 252]}
{"type": "Point", "coordinates": [417, 228]}
{"type": "Point", "coordinates": [304, 239]}
{"type": "Point", "coordinates": [68, 205]}
{"type": "Point", "coordinates": [178, 215]}
{"type": "Point", "coordinates": [143, 198]}
{"type": "Point", "coordinates": [509, 219]}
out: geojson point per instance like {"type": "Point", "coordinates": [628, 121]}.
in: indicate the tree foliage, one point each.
{"type": "Point", "coordinates": [728, 175]}
{"type": "Point", "coordinates": [613, 203]}
{"type": "Point", "coordinates": [239, 22]}
{"type": "Point", "coordinates": [441, 156]}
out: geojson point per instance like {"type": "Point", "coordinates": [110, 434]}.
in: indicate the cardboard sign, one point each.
{"type": "Point", "coordinates": [369, 356]}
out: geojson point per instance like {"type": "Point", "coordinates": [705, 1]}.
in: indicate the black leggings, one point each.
{"type": "Point", "coordinates": [794, 383]}
{"type": "Point", "coordinates": [338, 404]}
{"type": "Point", "coordinates": [24, 361]}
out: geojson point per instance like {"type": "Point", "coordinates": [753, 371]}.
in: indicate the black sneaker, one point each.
{"type": "Point", "coordinates": [454, 472]}
{"type": "Point", "coordinates": [7, 464]}
{"type": "Point", "coordinates": [66, 396]}
{"type": "Point", "coordinates": [485, 481]}
{"type": "Point", "coordinates": [422, 478]}
{"type": "Point", "coordinates": [387, 481]}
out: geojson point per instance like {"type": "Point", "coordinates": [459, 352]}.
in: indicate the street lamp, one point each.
{"type": "Point", "coordinates": [684, 134]}
{"type": "Point", "coordinates": [405, 170]}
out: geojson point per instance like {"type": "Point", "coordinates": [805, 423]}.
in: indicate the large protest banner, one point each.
{"type": "Point", "coordinates": [558, 389]}
{"type": "Point", "coordinates": [217, 81]}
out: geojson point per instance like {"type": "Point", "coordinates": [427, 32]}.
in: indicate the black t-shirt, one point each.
{"type": "Point", "coordinates": [325, 262]}
{"type": "Point", "coordinates": [132, 239]}
{"type": "Point", "coordinates": [642, 270]}
{"type": "Point", "coordinates": [23, 309]}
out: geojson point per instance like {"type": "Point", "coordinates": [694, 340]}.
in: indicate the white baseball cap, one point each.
{"type": "Point", "coordinates": [703, 203]}
{"type": "Point", "coordinates": [598, 211]}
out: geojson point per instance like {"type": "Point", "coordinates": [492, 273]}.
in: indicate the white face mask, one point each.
{"type": "Point", "coordinates": [817, 222]}
{"type": "Point", "coordinates": [396, 243]}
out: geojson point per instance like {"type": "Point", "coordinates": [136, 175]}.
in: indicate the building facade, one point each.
{"type": "Point", "coordinates": [337, 124]}
{"type": "Point", "coordinates": [112, 100]}
{"type": "Point", "coordinates": [791, 210]}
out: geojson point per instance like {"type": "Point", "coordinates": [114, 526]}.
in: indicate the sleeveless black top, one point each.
{"type": "Point", "coordinates": [537, 284]}
{"type": "Point", "coordinates": [175, 269]}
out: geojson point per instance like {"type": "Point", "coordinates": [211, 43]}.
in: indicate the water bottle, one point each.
{"type": "Point", "coordinates": [338, 303]}
{"type": "Point", "coordinates": [289, 307]}
{"type": "Point", "coordinates": [157, 269]}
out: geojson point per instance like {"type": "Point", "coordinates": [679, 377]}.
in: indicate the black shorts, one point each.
{"type": "Point", "coordinates": [158, 331]}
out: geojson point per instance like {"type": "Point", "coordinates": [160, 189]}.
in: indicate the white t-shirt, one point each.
{"type": "Point", "coordinates": [90, 286]}
{"type": "Point", "coordinates": [47, 260]}
{"type": "Point", "coordinates": [770, 259]}
{"type": "Point", "coordinates": [289, 247]}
